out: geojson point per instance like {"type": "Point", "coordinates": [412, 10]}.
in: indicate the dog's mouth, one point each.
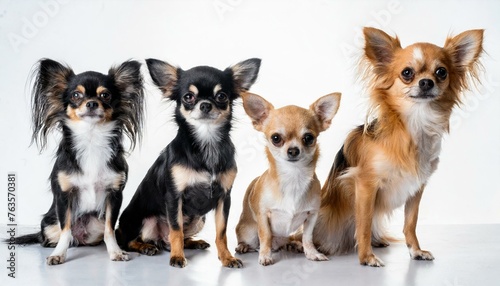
{"type": "Point", "coordinates": [214, 116]}
{"type": "Point", "coordinates": [424, 96]}
{"type": "Point", "coordinates": [208, 116]}
{"type": "Point", "coordinates": [416, 94]}
{"type": "Point", "coordinates": [92, 114]}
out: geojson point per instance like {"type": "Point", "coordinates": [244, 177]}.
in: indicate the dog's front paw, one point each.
{"type": "Point", "coordinates": [295, 246]}
{"type": "Point", "coordinates": [178, 261]}
{"type": "Point", "coordinates": [371, 260]}
{"type": "Point", "coordinates": [316, 256]}
{"type": "Point", "coordinates": [56, 259]}
{"type": "Point", "coordinates": [380, 243]}
{"type": "Point", "coordinates": [119, 256]}
{"type": "Point", "coordinates": [244, 248]}
{"type": "Point", "coordinates": [47, 243]}
{"type": "Point", "coordinates": [196, 244]}
{"type": "Point", "coordinates": [149, 249]}
{"type": "Point", "coordinates": [232, 262]}
{"type": "Point", "coordinates": [265, 260]}
{"type": "Point", "coordinates": [421, 255]}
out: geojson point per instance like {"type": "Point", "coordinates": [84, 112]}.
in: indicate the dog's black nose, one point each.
{"type": "Point", "coordinates": [92, 104]}
{"type": "Point", "coordinates": [205, 107]}
{"type": "Point", "coordinates": [293, 152]}
{"type": "Point", "coordinates": [426, 84]}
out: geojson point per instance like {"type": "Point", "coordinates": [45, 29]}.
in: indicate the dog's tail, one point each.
{"type": "Point", "coordinates": [334, 233]}
{"type": "Point", "coordinates": [26, 239]}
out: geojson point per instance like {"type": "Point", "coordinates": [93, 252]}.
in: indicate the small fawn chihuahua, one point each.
{"type": "Point", "coordinates": [287, 195]}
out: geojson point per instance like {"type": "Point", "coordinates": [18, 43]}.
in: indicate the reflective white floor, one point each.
{"type": "Point", "coordinates": [465, 255]}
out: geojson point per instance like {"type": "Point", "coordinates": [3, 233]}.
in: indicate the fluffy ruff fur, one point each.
{"type": "Point", "coordinates": [387, 162]}
{"type": "Point", "coordinates": [93, 112]}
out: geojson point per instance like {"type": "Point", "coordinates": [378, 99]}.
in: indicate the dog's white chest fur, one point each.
{"type": "Point", "coordinates": [284, 222]}
{"type": "Point", "coordinates": [397, 185]}
{"type": "Point", "coordinates": [93, 152]}
{"type": "Point", "coordinates": [290, 211]}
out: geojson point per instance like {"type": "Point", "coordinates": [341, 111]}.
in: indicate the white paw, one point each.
{"type": "Point", "coordinates": [316, 256]}
{"type": "Point", "coordinates": [372, 260]}
{"type": "Point", "coordinates": [421, 255]}
{"type": "Point", "coordinates": [265, 260]}
{"type": "Point", "coordinates": [119, 256]}
{"type": "Point", "coordinates": [244, 248]}
{"type": "Point", "coordinates": [56, 259]}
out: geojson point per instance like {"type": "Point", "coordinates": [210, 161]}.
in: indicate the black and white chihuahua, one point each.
{"type": "Point", "coordinates": [94, 111]}
{"type": "Point", "coordinates": [195, 172]}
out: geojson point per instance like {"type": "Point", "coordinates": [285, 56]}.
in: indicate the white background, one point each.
{"type": "Point", "coordinates": [308, 49]}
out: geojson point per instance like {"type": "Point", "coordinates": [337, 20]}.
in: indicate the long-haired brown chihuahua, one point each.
{"type": "Point", "coordinates": [387, 162]}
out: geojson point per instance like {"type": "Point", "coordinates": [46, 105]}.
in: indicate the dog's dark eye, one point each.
{"type": "Point", "coordinates": [407, 74]}
{"type": "Point", "coordinates": [441, 73]}
{"type": "Point", "coordinates": [277, 140]}
{"type": "Point", "coordinates": [308, 139]}
{"type": "Point", "coordinates": [76, 96]}
{"type": "Point", "coordinates": [189, 98]}
{"type": "Point", "coordinates": [105, 96]}
{"type": "Point", "coordinates": [221, 97]}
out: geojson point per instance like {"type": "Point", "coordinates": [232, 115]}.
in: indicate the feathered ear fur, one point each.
{"type": "Point", "coordinates": [257, 108]}
{"type": "Point", "coordinates": [325, 109]}
{"type": "Point", "coordinates": [244, 74]}
{"type": "Point", "coordinates": [164, 75]}
{"type": "Point", "coordinates": [465, 50]}
{"type": "Point", "coordinates": [129, 81]}
{"type": "Point", "coordinates": [379, 49]}
{"type": "Point", "coordinates": [51, 81]}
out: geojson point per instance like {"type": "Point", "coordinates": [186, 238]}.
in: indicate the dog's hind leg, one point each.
{"type": "Point", "coordinates": [247, 229]}
{"type": "Point", "coordinates": [137, 245]}
{"type": "Point", "coordinates": [247, 235]}
{"type": "Point", "coordinates": [191, 229]}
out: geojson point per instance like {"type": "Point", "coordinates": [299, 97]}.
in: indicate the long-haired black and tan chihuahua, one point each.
{"type": "Point", "coordinates": [93, 112]}
{"type": "Point", "coordinates": [387, 162]}
{"type": "Point", "coordinates": [195, 172]}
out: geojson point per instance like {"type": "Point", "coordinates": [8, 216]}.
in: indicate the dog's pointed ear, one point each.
{"type": "Point", "coordinates": [244, 74]}
{"type": "Point", "coordinates": [127, 76]}
{"type": "Point", "coordinates": [465, 48]}
{"type": "Point", "coordinates": [325, 109]}
{"type": "Point", "coordinates": [257, 108]}
{"type": "Point", "coordinates": [379, 46]}
{"type": "Point", "coordinates": [54, 76]}
{"type": "Point", "coordinates": [128, 79]}
{"type": "Point", "coordinates": [164, 75]}
{"type": "Point", "coordinates": [50, 82]}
